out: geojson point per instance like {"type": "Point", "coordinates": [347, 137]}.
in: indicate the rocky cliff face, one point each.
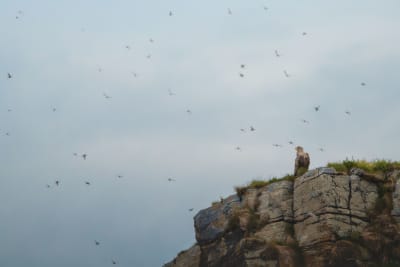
{"type": "Point", "coordinates": [323, 218]}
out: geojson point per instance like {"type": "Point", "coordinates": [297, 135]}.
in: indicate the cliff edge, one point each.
{"type": "Point", "coordinates": [326, 217]}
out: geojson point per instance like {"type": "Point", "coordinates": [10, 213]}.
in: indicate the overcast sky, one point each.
{"type": "Point", "coordinates": [153, 67]}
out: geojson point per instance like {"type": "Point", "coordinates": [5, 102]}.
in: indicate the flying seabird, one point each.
{"type": "Point", "coordinates": [97, 243]}
{"type": "Point", "coordinates": [84, 156]}
{"type": "Point", "coordinates": [106, 96]}
{"type": "Point", "coordinates": [277, 145]}
{"type": "Point", "coordinates": [9, 75]}
{"type": "Point", "coordinates": [347, 112]}
{"type": "Point", "coordinates": [57, 183]}
{"type": "Point", "coordinates": [252, 128]}
{"type": "Point", "coordinates": [241, 74]}
{"type": "Point", "coordinates": [171, 180]}
{"type": "Point", "coordinates": [87, 183]}
{"type": "Point", "coordinates": [317, 108]}
{"type": "Point", "coordinates": [304, 121]}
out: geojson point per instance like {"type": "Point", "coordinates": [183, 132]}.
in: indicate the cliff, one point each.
{"type": "Point", "coordinates": [322, 218]}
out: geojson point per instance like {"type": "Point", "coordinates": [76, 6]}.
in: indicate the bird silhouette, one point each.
{"type": "Point", "coordinates": [317, 108]}
{"type": "Point", "coordinates": [113, 262]}
{"type": "Point", "coordinates": [170, 13]}
{"type": "Point", "coordinates": [243, 130]}
{"type": "Point", "coordinates": [54, 109]}
{"type": "Point", "coordinates": [290, 142]}
{"type": "Point", "coordinates": [191, 209]}
{"type": "Point", "coordinates": [347, 112]}
{"type": "Point", "coordinates": [242, 66]}
{"type": "Point", "coordinates": [171, 180]}
{"type": "Point", "coordinates": [84, 156]}
{"type": "Point", "coordinates": [241, 74]}
{"type": "Point", "coordinates": [151, 40]}
{"type": "Point", "coordinates": [97, 243]}
{"type": "Point", "coordinates": [188, 111]}
{"type": "Point", "coordinates": [47, 185]}
{"type": "Point", "coordinates": [9, 75]}
{"type": "Point", "coordinates": [120, 176]}
{"type": "Point", "coordinates": [277, 145]}
{"type": "Point", "coordinates": [170, 93]}
{"type": "Point", "coordinates": [87, 183]}
{"type": "Point", "coordinates": [106, 96]}
{"type": "Point", "coordinates": [57, 183]}
{"type": "Point", "coordinates": [304, 121]}
{"type": "Point", "coordinates": [321, 149]}
{"type": "Point", "coordinates": [363, 84]}
{"type": "Point", "coordinates": [252, 128]}
{"type": "Point", "coordinates": [286, 74]}
{"type": "Point", "coordinates": [277, 53]}
{"type": "Point", "coordinates": [148, 56]}
{"type": "Point", "coordinates": [238, 148]}
{"type": "Point", "coordinates": [304, 33]}
{"type": "Point", "coordinates": [265, 8]}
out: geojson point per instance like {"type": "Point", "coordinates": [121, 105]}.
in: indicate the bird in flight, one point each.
{"type": "Point", "coordinates": [170, 93]}
{"type": "Point", "coordinates": [252, 128]}
{"type": "Point", "coordinates": [291, 143]}
{"type": "Point", "coordinates": [128, 47]}
{"type": "Point", "coordinates": [170, 13]}
{"type": "Point", "coordinates": [243, 130]}
{"type": "Point", "coordinates": [238, 148]}
{"type": "Point", "coordinates": [57, 183]}
{"type": "Point", "coordinates": [188, 111]}
{"type": "Point", "coordinates": [363, 84]}
{"type": "Point", "coordinates": [97, 243]}
{"type": "Point", "coordinates": [304, 33]}
{"type": "Point", "coordinates": [321, 149]}
{"type": "Point", "coordinates": [151, 40]}
{"type": "Point", "coordinates": [54, 109]}
{"type": "Point", "coordinates": [277, 53]}
{"type": "Point", "coordinates": [84, 156]}
{"type": "Point", "coordinates": [241, 75]}
{"type": "Point", "coordinates": [113, 262]}
{"type": "Point", "coordinates": [277, 145]}
{"type": "Point", "coordinates": [347, 112]}
{"type": "Point", "coordinates": [317, 108]}
{"type": "Point", "coordinates": [265, 8]}
{"type": "Point", "coordinates": [242, 66]}
{"type": "Point", "coordinates": [87, 183]}
{"type": "Point", "coordinates": [134, 74]}
{"type": "Point", "coordinates": [191, 209]}
{"type": "Point", "coordinates": [120, 176]}
{"type": "Point", "coordinates": [304, 121]}
{"type": "Point", "coordinates": [106, 96]}
{"type": "Point", "coordinates": [148, 56]}
{"type": "Point", "coordinates": [7, 133]}
{"type": "Point", "coordinates": [9, 75]}
{"type": "Point", "coordinates": [286, 74]}
{"type": "Point", "coordinates": [9, 110]}
{"type": "Point", "coordinates": [47, 185]}
{"type": "Point", "coordinates": [171, 180]}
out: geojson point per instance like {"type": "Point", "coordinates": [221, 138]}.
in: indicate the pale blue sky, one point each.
{"type": "Point", "coordinates": [54, 51]}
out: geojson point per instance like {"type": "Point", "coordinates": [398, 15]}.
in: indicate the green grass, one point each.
{"type": "Point", "coordinates": [256, 184]}
{"type": "Point", "coordinates": [375, 166]}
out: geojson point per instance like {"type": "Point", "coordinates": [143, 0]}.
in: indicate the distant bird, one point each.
{"type": "Point", "coordinates": [252, 128]}
{"type": "Point", "coordinates": [243, 130]}
{"type": "Point", "coordinates": [57, 183]}
{"type": "Point", "coordinates": [363, 84]}
{"type": "Point", "coordinates": [188, 111]}
{"type": "Point", "coordinates": [84, 156]}
{"type": "Point", "coordinates": [317, 108]}
{"type": "Point", "coordinates": [277, 53]}
{"type": "Point", "coordinates": [191, 209]}
{"type": "Point", "coordinates": [170, 93]}
{"type": "Point", "coordinates": [171, 180]}
{"type": "Point", "coordinates": [321, 149]}
{"type": "Point", "coordinates": [54, 109]}
{"type": "Point", "coordinates": [170, 13]}
{"type": "Point", "coordinates": [229, 11]}
{"type": "Point", "coordinates": [304, 121]}
{"type": "Point", "coordinates": [75, 154]}
{"type": "Point", "coordinates": [9, 75]}
{"type": "Point", "coordinates": [148, 56]}
{"type": "Point", "coordinates": [265, 8]}
{"type": "Point", "coordinates": [113, 262]}
{"type": "Point", "coordinates": [7, 133]}
{"type": "Point", "coordinates": [238, 148]}
{"type": "Point", "coordinates": [134, 74]}
{"type": "Point", "coordinates": [291, 143]}
{"type": "Point", "coordinates": [97, 243]}
{"type": "Point", "coordinates": [106, 96]}
{"type": "Point", "coordinates": [242, 66]}
{"type": "Point", "coordinates": [304, 33]}
{"type": "Point", "coordinates": [277, 145]}
{"type": "Point", "coordinates": [47, 185]}
{"type": "Point", "coordinates": [151, 40]}
{"type": "Point", "coordinates": [286, 74]}
{"type": "Point", "coordinates": [347, 112]}
{"type": "Point", "coordinates": [241, 74]}
{"type": "Point", "coordinates": [9, 110]}
{"type": "Point", "coordinates": [128, 47]}
{"type": "Point", "coordinates": [120, 176]}
{"type": "Point", "coordinates": [87, 183]}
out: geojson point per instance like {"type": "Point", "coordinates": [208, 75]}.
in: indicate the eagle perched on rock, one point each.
{"type": "Point", "coordinates": [302, 162]}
